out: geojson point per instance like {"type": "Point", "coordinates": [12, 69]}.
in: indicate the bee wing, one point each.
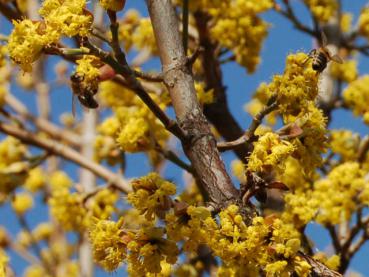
{"type": "Point", "coordinates": [336, 58]}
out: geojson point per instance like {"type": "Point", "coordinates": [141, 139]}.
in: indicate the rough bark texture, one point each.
{"type": "Point", "coordinates": [200, 144]}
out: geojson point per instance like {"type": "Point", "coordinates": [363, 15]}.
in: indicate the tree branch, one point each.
{"type": "Point", "coordinates": [199, 145]}
{"type": "Point", "coordinates": [65, 152]}
{"type": "Point", "coordinates": [249, 135]}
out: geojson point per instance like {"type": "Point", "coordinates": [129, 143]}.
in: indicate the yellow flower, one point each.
{"type": "Point", "coordinates": [3, 263]}
{"type": "Point", "coordinates": [238, 27]}
{"type": "Point", "coordinates": [339, 193]}
{"type": "Point", "coordinates": [239, 170]}
{"type": "Point", "coordinates": [60, 179]}
{"type": "Point", "coordinates": [134, 136]}
{"type": "Point", "coordinates": [108, 244]}
{"type": "Point", "coordinates": [345, 143]}
{"type": "Point", "coordinates": [269, 152]}
{"type": "Point", "coordinates": [27, 41]}
{"type": "Point", "coordinates": [364, 22]}
{"type": "Point", "coordinates": [346, 72]}
{"type": "Point", "coordinates": [114, 5]}
{"type": "Point", "coordinates": [35, 180]}
{"type": "Point", "coordinates": [67, 17]}
{"type": "Point", "coordinates": [22, 202]}
{"type": "Point", "coordinates": [102, 205]}
{"type": "Point", "coordinates": [204, 97]}
{"type": "Point", "coordinates": [356, 96]}
{"type": "Point", "coordinates": [346, 22]}
{"type": "Point", "coordinates": [43, 231]}
{"type": "Point", "coordinates": [150, 194]}
{"type": "Point", "coordinates": [67, 208]}
{"type": "Point", "coordinates": [143, 36]}
{"type": "Point", "coordinates": [323, 10]}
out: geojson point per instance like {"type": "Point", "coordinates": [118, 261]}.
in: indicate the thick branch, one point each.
{"type": "Point", "coordinates": [64, 152]}
{"type": "Point", "coordinates": [200, 145]}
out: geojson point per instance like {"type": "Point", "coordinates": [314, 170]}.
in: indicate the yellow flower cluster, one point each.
{"type": "Point", "coordinates": [346, 72]}
{"type": "Point", "coordinates": [67, 17]}
{"type": "Point", "coordinates": [297, 87]}
{"type": "Point", "coordinates": [137, 32]}
{"type": "Point", "coordinates": [239, 170]}
{"type": "Point", "coordinates": [27, 41]}
{"type": "Point", "coordinates": [36, 180]}
{"type": "Point", "coordinates": [88, 72]}
{"type": "Point", "coordinates": [300, 207]}
{"type": "Point", "coordinates": [313, 141]}
{"type": "Point", "coordinates": [150, 194]}
{"type": "Point", "coordinates": [204, 97]}
{"type": "Point", "coordinates": [269, 153]}
{"type": "Point", "coordinates": [363, 22]}
{"type": "Point", "coordinates": [270, 245]}
{"type": "Point", "coordinates": [108, 242]}
{"type": "Point", "coordinates": [43, 231]}
{"type": "Point", "coordinates": [105, 145]}
{"type": "Point", "coordinates": [74, 213]}
{"type": "Point", "coordinates": [356, 96]}
{"type": "Point", "coordinates": [4, 83]}
{"type": "Point", "coordinates": [188, 227]}
{"type": "Point", "coordinates": [148, 250]}
{"type": "Point", "coordinates": [346, 187]}
{"type": "Point", "coordinates": [28, 38]}
{"type": "Point", "coordinates": [238, 27]}
{"type": "Point", "coordinates": [3, 263]}
{"type": "Point", "coordinates": [144, 250]}
{"type": "Point", "coordinates": [139, 129]}
{"type": "Point", "coordinates": [322, 10]}
{"type": "Point", "coordinates": [68, 209]}
{"type": "Point", "coordinates": [59, 180]}
{"type": "Point", "coordinates": [103, 204]}
{"type": "Point", "coordinates": [13, 171]}
{"type": "Point", "coordinates": [346, 22]}
{"type": "Point", "coordinates": [345, 143]}
{"type": "Point", "coordinates": [22, 202]}
{"type": "Point", "coordinates": [87, 69]}
{"type": "Point", "coordinates": [114, 5]}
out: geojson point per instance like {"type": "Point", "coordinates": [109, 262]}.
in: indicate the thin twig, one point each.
{"type": "Point", "coordinates": [290, 15]}
{"type": "Point", "coordinates": [171, 156]}
{"type": "Point", "coordinates": [65, 152]}
{"type": "Point", "coordinates": [250, 133]}
{"type": "Point", "coordinates": [136, 86]}
{"type": "Point", "coordinates": [363, 149]}
{"type": "Point", "coordinates": [336, 242]}
{"type": "Point", "coordinates": [43, 124]}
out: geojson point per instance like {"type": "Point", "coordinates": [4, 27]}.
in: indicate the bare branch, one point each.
{"type": "Point", "coordinates": [43, 124]}
{"type": "Point", "coordinates": [250, 133]}
{"type": "Point", "coordinates": [290, 15]}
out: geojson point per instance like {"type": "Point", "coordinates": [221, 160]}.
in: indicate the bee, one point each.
{"type": "Point", "coordinates": [322, 56]}
{"type": "Point", "coordinates": [84, 92]}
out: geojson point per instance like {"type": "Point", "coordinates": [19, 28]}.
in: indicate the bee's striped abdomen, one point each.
{"type": "Point", "coordinates": [320, 62]}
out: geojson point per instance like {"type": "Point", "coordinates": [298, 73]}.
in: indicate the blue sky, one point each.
{"type": "Point", "coordinates": [282, 40]}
